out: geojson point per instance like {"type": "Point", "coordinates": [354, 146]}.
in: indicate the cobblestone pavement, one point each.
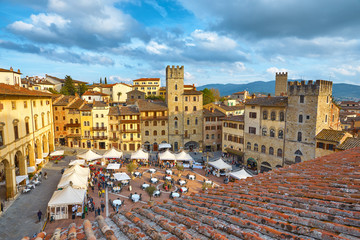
{"type": "Point", "coordinates": [20, 219]}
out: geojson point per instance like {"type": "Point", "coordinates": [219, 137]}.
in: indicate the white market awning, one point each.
{"type": "Point", "coordinates": [45, 154]}
{"type": "Point", "coordinates": [21, 178]}
{"type": "Point", "coordinates": [31, 169]}
{"type": "Point", "coordinates": [121, 176]}
{"type": "Point", "coordinates": [220, 164]}
{"type": "Point", "coordinates": [38, 161]}
{"type": "Point", "coordinates": [113, 153]}
{"type": "Point", "coordinates": [89, 156]}
{"type": "Point", "coordinates": [164, 145]}
{"type": "Point", "coordinates": [113, 166]}
{"type": "Point", "coordinates": [167, 156]}
{"type": "Point", "coordinates": [57, 153]}
{"type": "Point", "coordinates": [67, 196]}
{"type": "Point", "coordinates": [242, 174]}
{"type": "Point", "coordinates": [140, 154]}
{"type": "Point", "coordinates": [77, 162]}
{"type": "Point", "coordinates": [78, 170]}
{"type": "Point", "coordinates": [74, 180]}
{"type": "Point", "coordinates": [183, 156]}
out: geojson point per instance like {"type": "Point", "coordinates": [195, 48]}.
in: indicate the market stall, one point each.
{"type": "Point", "coordinates": [220, 167]}
{"type": "Point", "coordinates": [74, 180]}
{"type": "Point", "coordinates": [83, 171]}
{"type": "Point", "coordinates": [242, 174]}
{"type": "Point", "coordinates": [113, 153]}
{"type": "Point", "coordinates": [65, 199]}
{"type": "Point", "coordinates": [77, 162]}
{"type": "Point", "coordinates": [167, 158]}
{"type": "Point", "coordinates": [185, 158]}
{"type": "Point", "coordinates": [113, 166]}
{"type": "Point", "coordinates": [140, 156]}
{"type": "Point", "coordinates": [89, 156]}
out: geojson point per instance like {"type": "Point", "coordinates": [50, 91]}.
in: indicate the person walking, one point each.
{"type": "Point", "coordinates": [102, 206]}
{"type": "Point", "coordinates": [98, 211]}
{"type": "Point", "coordinates": [39, 214]}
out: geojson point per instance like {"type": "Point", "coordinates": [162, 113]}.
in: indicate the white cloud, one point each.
{"type": "Point", "coordinates": [116, 79]}
{"type": "Point", "coordinates": [274, 70]}
{"type": "Point", "coordinates": [239, 66]}
{"type": "Point", "coordinates": [188, 76]}
{"type": "Point", "coordinates": [156, 48]}
{"type": "Point", "coordinates": [212, 41]}
{"type": "Point", "coordinates": [347, 70]}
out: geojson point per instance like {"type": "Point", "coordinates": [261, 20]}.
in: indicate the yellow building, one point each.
{"type": "Point", "coordinates": [73, 125]}
{"type": "Point", "coordinates": [233, 136]}
{"type": "Point", "coordinates": [130, 138]}
{"type": "Point", "coordinates": [26, 132]}
{"type": "Point", "coordinates": [86, 121]}
{"type": "Point", "coordinates": [100, 125]}
{"type": "Point", "coordinates": [150, 86]}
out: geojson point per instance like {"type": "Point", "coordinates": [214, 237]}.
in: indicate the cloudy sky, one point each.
{"type": "Point", "coordinates": [233, 41]}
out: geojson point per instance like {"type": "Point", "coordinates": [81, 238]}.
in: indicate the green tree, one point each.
{"type": "Point", "coordinates": [82, 88]}
{"type": "Point", "coordinates": [100, 80]}
{"type": "Point", "coordinates": [208, 96]}
{"type": "Point", "coordinates": [68, 88]}
{"type": "Point", "coordinates": [150, 190]}
{"type": "Point", "coordinates": [215, 92]}
{"type": "Point", "coordinates": [131, 167]}
{"type": "Point", "coordinates": [105, 80]}
{"type": "Point", "coordinates": [53, 91]}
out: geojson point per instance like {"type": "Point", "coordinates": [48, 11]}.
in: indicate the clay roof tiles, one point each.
{"type": "Point", "coordinates": [63, 101]}
{"type": "Point", "coordinates": [236, 118]}
{"type": "Point", "coordinates": [11, 90]}
{"type": "Point", "coordinates": [94, 93]}
{"type": "Point", "coordinates": [99, 104]}
{"type": "Point", "coordinates": [268, 101]}
{"type": "Point", "coordinates": [232, 108]}
{"type": "Point", "coordinates": [149, 105]}
{"type": "Point", "coordinates": [86, 107]}
{"type": "Point", "coordinates": [76, 104]}
{"type": "Point", "coordinates": [330, 135]}
{"type": "Point", "coordinates": [63, 80]}
{"type": "Point", "coordinates": [215, 113]}
{"type": "Point", "coordinates": [349, 143]}
{"type": "Point", "coordinates": [128, 110]}
{"type": "Point", "coordinates": [316, 199]}
{"type": "Point", "coordinates": [114, 111]}
{"type": "Point", "coordinates": [192, 92]}
{"type": "Point", "coordinates": [147, 79]}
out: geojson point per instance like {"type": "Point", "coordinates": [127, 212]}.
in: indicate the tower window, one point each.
{"type": "Point", "coordinates": [302, 98]}
{"type": "Point", "coordinates": [299, 137]}
{"type": "Point", "coordinates": [176, 98]}
{"type": "Point", "coordinates": [175, 86]}
{"type": "Point", "coordinates": [300, 118]}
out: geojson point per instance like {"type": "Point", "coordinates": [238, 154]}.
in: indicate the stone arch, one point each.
{"type": "Point", "coordinates": [38, 149]}
{"type": "Point", "coordinates": [265, 167]}
{"type": "Point", "coordinates": [30, 155]}
{"type": "Point", "coordinates": [45, 144]}
{"type": "Point", "coordinates": [51, 141]}
{"type": "Point", "coordinates": [20, 163]}
{"type": "Point", "coordinates": [9, 175]}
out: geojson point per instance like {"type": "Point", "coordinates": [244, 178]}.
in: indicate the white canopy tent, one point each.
{"type": "Point", "coordinates": [57, 153]}
{"type": "Point", "coordinates": [38, 161]}
{"type": "Point", "coordinates": [140, 154]}
{"type": "Point", "coordinates": [75, 180]}
{"type": "Point", "coordinates": [21, 178]}
{"type": "Point", "coordinates": [60, 200]}
{"type": "Point", "coordinates": [121, 176]}
{"type": "Point", "coordinates": [89, 156]}
{"type": "Point", "coordinates": [113, 166]}
{"type": "Point", "coordinates": [77, 162]}
{"type": "Point", "coordinates": [242, 174]}
{"type": "Point", "coordinates": [45, 154]}
{"type": "Point", "coordinates": [78, 170]}
{"type": "Point", "coordinates": [183, 156]}
{"type": "Point", "coordinates": [220, 164]}
{"type": "Point", "coordinates": [113, 153]}
{"type": "Point", "coordinates": [31, 169]}
{"type": "Point", "coordinates": [167, 156]}
{"type": "Point", "coordinates": [164, 145]}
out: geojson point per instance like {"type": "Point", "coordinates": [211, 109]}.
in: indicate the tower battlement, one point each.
{"type": "Point", "coordinates": [319, 87]}
{"type": "Point", "coordinates": [281, 74]}
{"type": "Point", "coordinates": [174, 72]}
{"type": "Point", "coordinates": [281, 83]}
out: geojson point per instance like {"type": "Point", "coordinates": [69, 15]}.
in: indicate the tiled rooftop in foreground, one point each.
{"type": "Point", "coordinates": [317, 199]}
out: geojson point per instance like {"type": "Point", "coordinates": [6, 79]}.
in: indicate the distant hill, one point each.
{"type": "Point", "coordinates": [340, 90]}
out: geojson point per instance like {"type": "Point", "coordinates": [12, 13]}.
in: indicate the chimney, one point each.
{"type": "Point", "coordinates": [253, 96]}
{"type": "Point", "coordinates": [269, 95]}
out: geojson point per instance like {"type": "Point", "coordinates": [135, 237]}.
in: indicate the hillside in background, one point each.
{"type": "Point", "coordinates": [340, 90]}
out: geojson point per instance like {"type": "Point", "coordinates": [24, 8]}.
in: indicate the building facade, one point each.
{"type": "Point", "coordinates": [212, 122]}
{"type": "Point", "coordinates": [150, 86]}
{"type": "Point", "coordinates": [233, 136]}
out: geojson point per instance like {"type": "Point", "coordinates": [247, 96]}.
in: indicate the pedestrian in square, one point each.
{"type": "Point", "coordinates": [39, 214]}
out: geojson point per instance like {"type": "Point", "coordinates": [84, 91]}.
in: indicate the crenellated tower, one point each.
{"type": "Point", "coordinates": [308, 112]}
{"type": "Point", "coordinates": [281, 79]}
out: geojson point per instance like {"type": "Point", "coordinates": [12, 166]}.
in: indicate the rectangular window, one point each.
{"type": "Point", "coordinates": [1, 138]}
{"type": "Point", "coordinates": [25, 104]}
{"type": "Point", "coordinates": [27, 127]}
{"type": "Point", "coordinates": [320, 145]}
{"type": "Point", "coordinates": [302, 98]}
{"type": "Point", "coordinates": [252, 130]}
{"type": "Point", "coordinates": [330, 147]}
{"type": "Point", "coordinates": [252, 114]}
{"type": "Point", "coordinates": [16, 132]}
{"type": "Point", "coordinates": [13, 105]}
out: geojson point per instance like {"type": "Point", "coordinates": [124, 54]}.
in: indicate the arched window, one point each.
{"type": "Point", "coordinates": [162, 123]}
{"type": "Point", "coordinates": [248, 145]}
{"type": "Point", "coordinates": [300, 118]}
{"type": "Point", "coordinates": [196, 121]}
{"type": "Point", "coordinates": [155, 133]}
{"type": "Point", "coordinates": [155, 123]}
{"type": "Point", "coordinates": [279, 152]}
{"type": "Point", "coordinates": [281, 134]}
{"type": "Point", "coordinates": [272, 133]}
{"type": "Point", "coordinates": [282, 116]}
{"type": "Point", "coordinates": [273, 116]}
{"type": "Point", "coordinates": [271, 151]}
{"type": "Point", "coordinates": [176, 98]}
{"type": "Point", "coordinates": [299, 137]}
{"type": "Point", "coordinates": [146, 123]}
{"type": "Point", "coordinates": [263, 149]}
{"type": "Point", "coordinates": [71, 121]}
{"type": "Point", "coordinates": [194, 108]}
{"type": "Point", "coordinates": [146, 133]}
{"type": "Point", "coordinates": [175, 86]}
{"type": "Point", "coordinates": [163, 132]}
{"type": "Point", "coordinates": [265, 115]}
{"type": "Point", "coordinates": [264, 131]}
{"type": "Point", "coordinates": [256, 147]}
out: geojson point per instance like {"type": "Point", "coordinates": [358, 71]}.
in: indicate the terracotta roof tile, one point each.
{"type": "Point", "coordinates": [94, 93]}
{"type": "Point", "coordinates": [63, 101]}
{"type": "Point", "coordinates": [149, 105]}
{"type": "Point", "coordinates": [146, 79]}
{"type": "Point", "coordinates": [216, 113]}
{"type": "Point", "coordinates": [231, 108]}
{"type": "Point", "coordinates": [9, 90]}
{"type": "Point", "coordinates": [268, 101]}
{"type": "Point", "coordinates": [63, 80]}
{"type": "Point", "coordinates": [99, 104]}
{"type": "Point", "coordinates": [236, 118]}
{"type": "Point", "coordinates": [86, 107]}
{"type": "Point", "coordinates": [330, 135]}
{"type": "Point", "coordinates": [76, 104]}
{"type": "Point", "coordinates": [128, 110]}
{"type": "Point", "coordinates": [114, 111]}
{"type": "Point", "coordinates": [192, 92]}
{"type": "Point", "coordinates": [349, 143]}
